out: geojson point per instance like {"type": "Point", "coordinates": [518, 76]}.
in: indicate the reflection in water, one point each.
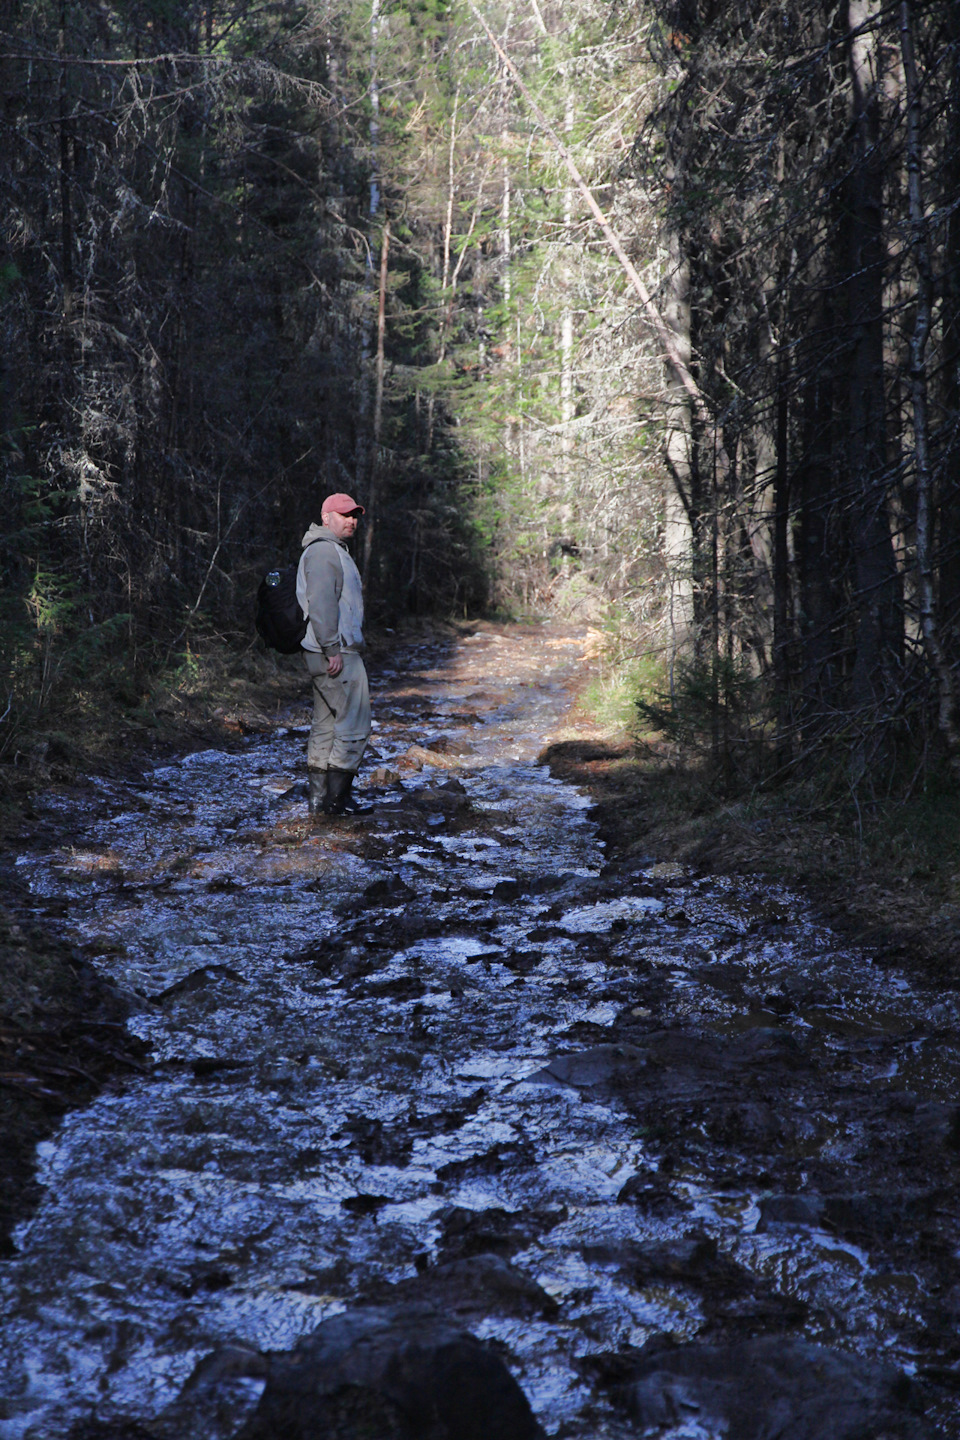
{"type": "Point", "coordinates": [345, 1022]}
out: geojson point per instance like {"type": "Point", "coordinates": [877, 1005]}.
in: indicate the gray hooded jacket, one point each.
{"type": "Point", "coordinates": [330, 594]}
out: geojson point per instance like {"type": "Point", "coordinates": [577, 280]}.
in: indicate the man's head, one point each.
{"type": "Point", "coordinates": [340, 515]}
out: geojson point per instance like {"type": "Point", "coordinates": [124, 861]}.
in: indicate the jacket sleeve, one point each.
{"type": "Point", "coordinates": [323, 574]}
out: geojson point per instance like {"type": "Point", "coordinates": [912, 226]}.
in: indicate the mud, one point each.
{"type": "Point", "coordinates": [63, 1037]}
{"type": "Point", "coordinates": [659, 1140]}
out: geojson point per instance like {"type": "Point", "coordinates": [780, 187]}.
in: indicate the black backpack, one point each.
{"type": "Point", "coordinates": [279, 620]}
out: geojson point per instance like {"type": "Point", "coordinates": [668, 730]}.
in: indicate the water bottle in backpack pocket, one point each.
{"type": "Point", "coordinates": [280, 622]}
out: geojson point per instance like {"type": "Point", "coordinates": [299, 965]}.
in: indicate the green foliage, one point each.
{"type": "Point", "coordinates": [614, 696]}
{"type": "Point", "coordinates": [714, 709]}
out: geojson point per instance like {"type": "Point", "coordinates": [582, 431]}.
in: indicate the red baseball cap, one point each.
{"type": "Point", "coordinates": [342, 504]}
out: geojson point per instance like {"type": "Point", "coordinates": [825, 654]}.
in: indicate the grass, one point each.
{"type": "Point", "coordinates": [610, 699]}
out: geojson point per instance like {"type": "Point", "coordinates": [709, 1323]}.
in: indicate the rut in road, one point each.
{"type": "Point", "coordinates": [617, 1119]}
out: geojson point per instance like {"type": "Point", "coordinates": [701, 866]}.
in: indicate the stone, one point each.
{"type": "Point", "coordinates": [596, 1066]}
{"type": "Point", "coordinates": [791, 1212]}
{"type": "Point", "coordinates": [771, 1389]}
{"type": "Point", "coordinates": [448, 745]}
{"type": "Point", "coordinates": [392, 1373]}
{"type": "Point", "coordinates": [417, 756]}
{"type": "Point", "coordinates": [383, 775]}
{"type": "Point", "coordinates": [392, 888]}
{"type": "Point", "coordinates": [652, 1195]}
{"type": "Point", "coordinates": [473, 1287]}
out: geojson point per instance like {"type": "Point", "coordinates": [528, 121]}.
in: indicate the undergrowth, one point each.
{"type": "Point", "coordinates": [670, 791]}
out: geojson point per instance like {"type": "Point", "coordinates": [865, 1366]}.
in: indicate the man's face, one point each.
{"type": "Point", "coordinates": [343, 526]}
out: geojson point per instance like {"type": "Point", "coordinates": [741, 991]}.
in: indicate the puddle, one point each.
{"type": "Point", "coordinates": [342, 1101]}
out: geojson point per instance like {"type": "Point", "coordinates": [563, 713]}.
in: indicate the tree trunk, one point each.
{"type": "Point", "coordinates": [920, 251]}
{"type": "Point", "coordinates": [374, 483]}
{"type": "Point", "coordinates": [364, 460]}
{"type": "Point", "coordinates": [817, 556]}
{"type": "Point", "coordinates": [567, 407]}
{"type": "Point", "coordinates": [66, 174]}
{"type": "Point", "coordinates": [879, 631]}
{"type": "Point", "coordinates": [949, 536]}
{"type": "Point", "coordinates": [781, 568]}
{"type": "Point", "coordinates": [679, 486]}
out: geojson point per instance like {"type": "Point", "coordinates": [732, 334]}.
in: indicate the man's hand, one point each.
{"type": "Point", "coordinates": [334, 664]}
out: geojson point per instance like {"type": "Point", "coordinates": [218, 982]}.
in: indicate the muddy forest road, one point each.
{"type": "Point", "coordinates": [684, 1163]}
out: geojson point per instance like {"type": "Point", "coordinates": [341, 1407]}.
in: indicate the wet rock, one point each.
{"type": "Point", "coordinates": [937, 1124]}
{"type": "Point", "coordinates": [546, 884]}
{"type": "Point", "coordinates": [376, 1145]}
{"type": "Point", "coordinates": [521, 962]}
{"type": "Point", "coordinates": [627, 872]}
{"type": "Point", "coordinates": [397, 1373]}
{"type": "Point", "coordinates": [494, 1231]}
{"type": "Point", "coordinates": [339, 956]}
{"type": "Point", "coordinates": [597, 1066]}
{"type": "Point", "coordinates": [734, 1301]}
{"type": "Point", "coordinates": [448, 745]}
{"type": "Point", "coordinates": [490, 1162]}
{"type": "Point", "coordinates": [484, 957]}
{"type": "Point", "coordinates": [791, 1212]}
{"type": "Point", "coordinates": [364, 1204]}
{"type": "Point", "coordinates": [221, 1067]}
{"type": "Point", "coordinates": [220, 1392]}
{"type": "Point", "coordinates": [391, 888]}
{"type": "Point", "coordinates": [694, 1259]}
{"type": "Point", "coordinates": [447, 797]}
{"type": "Point", "coordinates": [200, 980]}
{"type": "Point", "coordinates": [564, 755]}
{"type": "Point", "coordinates": [120, 1428]}
{"type": "Point", "coordinates": [383, 775]}
{"type": "Point", "coordinates": [771, 1389]}
{"type": "Point", "coordinates": [667, 870]}
{"type": "Point", "coordinates": [650, 1193]}
{"type": "Point", "coordinates": [419, 756]}
{"type": "Point", "coordinates": [752, 1123]}
{"type": "Point", "coordinates": [873, 1215]}
{"type": "Point", "coordinates": [473, 1286]}
{"type": "Point", "coordinates": [414, 925]}
{"type": "Point", "coordinates": [402, 987]}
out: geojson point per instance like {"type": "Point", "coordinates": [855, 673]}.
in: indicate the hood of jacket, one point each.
{"type": "Point", "coordinates": [320, 532]}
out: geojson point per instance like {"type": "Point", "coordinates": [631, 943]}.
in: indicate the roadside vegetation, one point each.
{"type": "Point", "coordinates": [885, 871]}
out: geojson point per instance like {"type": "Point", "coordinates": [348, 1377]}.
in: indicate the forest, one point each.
{"type": "Point", "coordinates": [641, 313]}
{"type": "Point", "coordinates": [595, 1073]}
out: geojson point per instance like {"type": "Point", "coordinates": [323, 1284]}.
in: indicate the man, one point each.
{"type": "Point", "coordinates": [331, 597]}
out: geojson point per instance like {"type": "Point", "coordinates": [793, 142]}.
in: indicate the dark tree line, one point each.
{"type": "Point", "coordinates": [810, 157]}
{"type": "Point", "coordinates": [189, 328]}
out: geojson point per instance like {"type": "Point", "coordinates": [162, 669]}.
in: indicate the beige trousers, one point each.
{"type": "Point", "coordinates": [341, 713]}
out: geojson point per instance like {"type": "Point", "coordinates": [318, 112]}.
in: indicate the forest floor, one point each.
{"type": "Point", "coordinates": [898, 894]}
{"type": "Point", "coordinates": [887, 880]}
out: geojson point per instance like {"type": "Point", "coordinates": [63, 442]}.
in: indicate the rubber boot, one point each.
{"type": "Point", "coordinates": [339, 799]}
{"type": "Point", "coordinates": [317, 784]}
